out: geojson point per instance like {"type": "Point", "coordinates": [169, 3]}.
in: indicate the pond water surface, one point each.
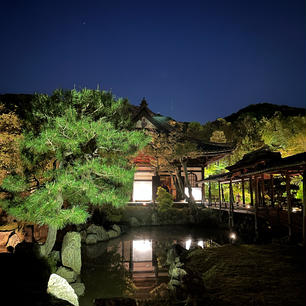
{"type": "Point", "coordinates": [135, 263]}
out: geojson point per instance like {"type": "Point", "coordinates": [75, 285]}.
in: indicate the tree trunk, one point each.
{"type": "Point", "coordinates": [192, 204]}
{"type": "Point", "coordinates": [52, 231]}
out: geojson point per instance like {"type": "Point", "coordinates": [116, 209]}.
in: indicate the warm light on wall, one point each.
{"type": "Point", "coordinates": [196, 192]}
{"type": "Point", "coordinates": [142, 191]}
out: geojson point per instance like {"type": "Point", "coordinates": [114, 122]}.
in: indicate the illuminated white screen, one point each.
{"type": "Point", "coordinates": [142, 191]}
{"type": "Point", "coordinates": [196, 192]}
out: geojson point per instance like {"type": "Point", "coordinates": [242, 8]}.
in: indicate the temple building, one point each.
{"type": "Point", "coordinates": [146, 180]}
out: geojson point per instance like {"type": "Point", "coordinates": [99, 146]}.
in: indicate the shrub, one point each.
{"type": "Point", "coordinates": [164, 199]}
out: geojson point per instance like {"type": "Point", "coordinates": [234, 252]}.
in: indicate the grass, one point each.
{"type": "Point", "coordinates": [250, 274]}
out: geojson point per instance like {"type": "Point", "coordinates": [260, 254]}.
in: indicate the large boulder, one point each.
{"type": "Point", "coordinates": [91, 239]}
{"type": "Point", "coordinates": [79, 288]}
{"type": "Point", "coordinates": [69, 275]}
{"type": "Point", "coordinates": [99, 231]}
{"type": "Point", "coordinates": [71, 251]}
{"type": "Point", "coordinates": [61, 289]}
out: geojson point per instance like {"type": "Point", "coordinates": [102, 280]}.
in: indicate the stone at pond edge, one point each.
{"type": "Point", "coordinates": [61, 289]}
{"type": "Point", "coordinates": [112, 234]}
{"type": "Point", "coordinates": [134, 222]}
{"type": "Point", "coordinates": [99, 231]}
{"type": "Point", "coordinates": [69, 275]}
{"type": "Point", "coordinates": [83, 236]}
{"type": "Point", "coordinates": [79, 288]}
{"type": "Point", "coordinates": [55, 255]}
{"type": "Point", "coordinates": [116, 228]}
{"type": "Point", "coordinates": [71, 251]}
{"type": "Point", "coordinates": [91, 239]}
{"type": "Point", "coordinates": [115, 302]}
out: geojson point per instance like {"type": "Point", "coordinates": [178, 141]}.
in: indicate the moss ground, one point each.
{"type": "Point", "coordinates": [250, 274]}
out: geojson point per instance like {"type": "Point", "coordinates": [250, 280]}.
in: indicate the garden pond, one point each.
{"type": "Point", "coordinates": [133, 264]}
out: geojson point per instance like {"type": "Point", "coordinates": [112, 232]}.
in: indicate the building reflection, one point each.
{"type": "Point", "coordinates": [142, 259]}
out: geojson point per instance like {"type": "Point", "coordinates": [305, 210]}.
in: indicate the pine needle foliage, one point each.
{"type": "Point", "coordinates": [88, 145]}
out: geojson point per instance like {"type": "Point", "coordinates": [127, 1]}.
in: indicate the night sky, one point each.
{"type": "Point", "coordinates": [192, 60]}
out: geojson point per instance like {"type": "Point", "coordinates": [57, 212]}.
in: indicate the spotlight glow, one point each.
{"type": "Point", "coordinates": [233, 236]}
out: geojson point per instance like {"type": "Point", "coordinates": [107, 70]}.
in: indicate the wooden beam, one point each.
{"type": "Point", "coordinates": [288, 191]}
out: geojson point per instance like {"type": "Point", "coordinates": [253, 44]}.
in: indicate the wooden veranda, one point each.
{"type": "Point", "coordinates": [259, 170]}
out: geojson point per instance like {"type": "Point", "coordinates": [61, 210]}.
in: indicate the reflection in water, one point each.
{"type": "Point", "coordinates": [131, 265]}
{"type": "Point", "coordinates": [188, 244]}
{"type": "Point", "coordinates": [142, 250]}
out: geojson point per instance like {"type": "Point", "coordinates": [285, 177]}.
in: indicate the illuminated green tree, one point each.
{"type": "Point", "coordinates": [285, 134]}
{"type": "Point", "coordinates": [86, 161]}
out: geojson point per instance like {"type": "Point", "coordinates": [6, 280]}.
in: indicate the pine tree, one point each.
{"type": "Point", "coordinates": [77, 160]}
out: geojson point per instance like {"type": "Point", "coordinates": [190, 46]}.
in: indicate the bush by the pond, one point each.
{"type": "Point", "coordinates": [146, 216]}
{"type": "Point", "coordinates": [164, 199]}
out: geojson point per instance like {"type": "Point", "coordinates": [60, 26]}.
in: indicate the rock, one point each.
{"type": "Point", "coordinates": [99, 231]}
{"type": "Point", "coordinates": [79, 288]}
{"type": "Point", "coordinates": [134, 222]}
{"type": "Point", "coordinates": [4, 236]}
{"type": "Point", "coordinates": [69, 275]}
{"type": "Point", "coordinates": [55, 255]}
{"type": "Point", "coordinates": [91, 239]}
{"type": "Point", "coordinates": [112, 234]}
{"type": "Point", "coordinates": [40, 233]}
{"type": "Point", "coordinates": [116, 228]}
{"type": "Point", "coordinates": [61, 289]}
{"type": "Point", "coordinates": [115, 302]}
{"type": "Point", "coordinates": [13, 241]}
{"type": "Point", "coordinates": [83, 236]}
{"type": "Point", "coordinates": [71, 251]}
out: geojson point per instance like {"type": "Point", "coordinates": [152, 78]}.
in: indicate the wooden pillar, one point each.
{"type": "Point", "coordinates": [251, 190]}
{"type": "Point", "coordinates": [203, 185]}
{"type": "Point", "coordinates": [272, 190]}
{"type": "Point", "coordinates": [289, 205]}
{"type": "Point", "coordinates": [263, 190]}
{"type": "Point", "coordinates": [256, 209]}
{"type": "Point", "coordinates": [131, 264]}
{"type": "Point", "coordinates": [222, 193]}
{"type": "Point", "coordinates": [304, 207]}
{"type": "Point", "coordinates": [231, 207]}
{"type": "Point", "coordinates": [243, 192]}
{"type": "Point", "coordinates": [209, 194]}
{"type": "Point", "coordinates": [220, 199]}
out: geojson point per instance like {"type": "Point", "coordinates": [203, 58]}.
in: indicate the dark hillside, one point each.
{"type": "Point", "coordinates": [18, 103]}
{"type": "Point", "coordinates": [266, 110]}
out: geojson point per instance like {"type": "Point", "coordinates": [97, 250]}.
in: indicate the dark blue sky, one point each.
{"type": "Point", "coordinates": [192, 60]}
